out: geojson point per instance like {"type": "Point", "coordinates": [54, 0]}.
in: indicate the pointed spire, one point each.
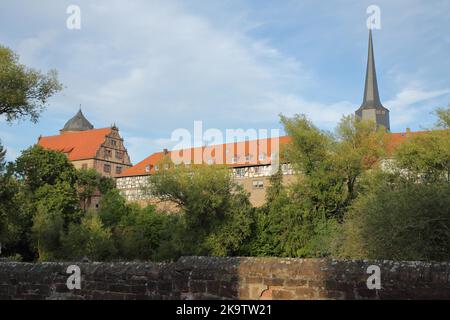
{"type": "Point", "coordinates": [371, 108]}
{"type": "Point", "coordinates": [371, 95]}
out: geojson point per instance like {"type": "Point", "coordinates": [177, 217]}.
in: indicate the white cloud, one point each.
{"type": "Point", "coordinates": [411, 102]}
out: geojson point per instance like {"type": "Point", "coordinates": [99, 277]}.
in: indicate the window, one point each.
{"type": "Point", "coordinates": [84, 166]}
{"type": "Point", "coordinates": [119, 154]}
{"type": "Point", "coordinates": [233, 159]}
{"type": "Point", "coordinates": [258, 170]}
{"type": "Point", "coordinates": [258, 184]}
{"type": "Point", "coordinates": [147, 168]}
{"type": "Point", "coordinates": [240, 172]}
{"type": "Point", "coordinates": [113, 143]}
{"type": "Point", "coordinates": [118, 170]}
{"type": "Point", "coordinates": [248, 157]}
{"type": "Point", "coordinates": [107, 153]}
{"type": "Point", "coordinates": [107, 168]}
{"type": "Point", "coordinates": [262, 156]}
{"type": "Point", "coordinates": [156, 168]}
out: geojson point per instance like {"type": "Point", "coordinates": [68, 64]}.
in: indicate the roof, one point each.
{"type": "Point", "coordinates": [231, 154]}
{"type": "Point", "coordinates": [400, 137]}
{"type": "Point", "coordinates": [78, 145]}
{"type": "Point", "coordinates": [147, 166]}
{"type": "Point", "coordinates": [78, 123]}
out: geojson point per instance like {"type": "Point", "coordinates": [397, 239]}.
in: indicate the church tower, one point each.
{"type": "Point", "coordinates": [371, 108]}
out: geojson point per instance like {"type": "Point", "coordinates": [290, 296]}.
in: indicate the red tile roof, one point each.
{"type": "Point", "coordinates": [226, 154]}
{"type": "Point", "coordinates": [242, 149]}
{"type": "Point", "coordinates": [79, 145]}
{"type": "Point", "coordinates": [398, 138]}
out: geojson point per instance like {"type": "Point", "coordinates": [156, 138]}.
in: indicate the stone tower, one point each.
{"type": "Point", "coordinates": [371, 108]}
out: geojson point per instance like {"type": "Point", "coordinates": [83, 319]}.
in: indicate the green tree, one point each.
{"type": "Point", "coordinates": [52, 202]}
{"type": "Point", "coordinates": [426, 157]}
{"type": "Point", "coordinates": [112, 208]}
{"type": "Point", "coordinates": [90, 238]}
{"type": "Point", "coordinates": [89, 181]}
{"type": "Point", "coordinates": [397, 219]}
{"type": "Point", "coordinates": [301, 221]}
{"type": "Point", "coordinates": [216, 212]}
{"type": "Point", "coordinates": [141, 232]}
{"type": "Point", "coordinates": [9, 228]}
{"type": "Point", "coordinates": [330, 165]}
{"type": "Point", "coordinates": [23, 91]}
{"type": "Point", "coordinates": [38, 167]}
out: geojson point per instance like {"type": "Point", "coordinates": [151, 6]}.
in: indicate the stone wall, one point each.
{"type": "Point", "coordinates": [227, 278]}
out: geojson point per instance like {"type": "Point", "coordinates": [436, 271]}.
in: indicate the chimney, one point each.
{"type": "Point", "coordinates": [166, 152]}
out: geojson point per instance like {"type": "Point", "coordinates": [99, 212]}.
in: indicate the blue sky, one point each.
{"type": "Point", "coordinates": [154, 66]}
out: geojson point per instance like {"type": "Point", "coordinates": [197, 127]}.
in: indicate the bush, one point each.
{"type": "Point", "coordinates": [398, 221]}
{"type": "Point", "coordinates": [90, 239]}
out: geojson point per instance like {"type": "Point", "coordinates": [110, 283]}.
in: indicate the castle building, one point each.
{"type": "Point", "coordinates": [251, 164]}
{"type": "Point", "coordinates": [86, 147]}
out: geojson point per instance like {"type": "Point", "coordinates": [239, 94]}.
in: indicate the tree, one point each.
{"type": "Point", "coordinates": [300, 221]}
{"type": "Point", "coordinates": [331, 165]}
{"type": "Point", "coordinates": [23, 91]}
{"type": "Point", "coordinates": [403, 214]}
{"type": "Point", "coordinates": [141, 232]}
{"type": "Point", "coordinates": [89, 181]}
{"type": "Point", "coordinates": [38, 167]}
{"type": "Point", "coordinates": [443, 115]}
{"type": "Point", "coordinates": [112, 208]}
{"type": "Point", "coordinates": [216, 212]}
{"type": "Point", "coordinates": [397, 219]}
{"type": "Point", "coordinates": [52, 202]}
{"type": "Point", "coordinates": [426, 157]}
{"type": "Point", "coordinates": [8, 205]}
{"type": "Point", "coordinates": [90, 238]}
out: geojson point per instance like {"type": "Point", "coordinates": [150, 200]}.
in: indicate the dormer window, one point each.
{"type": "Point", "coordinates": [156, 168]}
{"type": "Point", "coordinates": [147, 168]}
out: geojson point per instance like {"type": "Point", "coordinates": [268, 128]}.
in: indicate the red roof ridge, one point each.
{"type": "Point", "coordinates": [76, 132]}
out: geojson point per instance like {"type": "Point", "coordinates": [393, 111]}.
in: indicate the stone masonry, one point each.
{"type": "Point", "coordinates": [227, 278]}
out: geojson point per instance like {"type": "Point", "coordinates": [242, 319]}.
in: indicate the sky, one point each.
{"type": "Point", "coordinates": [152, 67]}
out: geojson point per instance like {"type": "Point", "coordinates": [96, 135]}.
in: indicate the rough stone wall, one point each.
{"type": "Point", "coordinates": [227, 278]}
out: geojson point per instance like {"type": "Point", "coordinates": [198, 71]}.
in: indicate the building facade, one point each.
{"type": "Point", "coordinates": [88, 148]}
{"type": "Point", "coordinates": [251, 164]}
